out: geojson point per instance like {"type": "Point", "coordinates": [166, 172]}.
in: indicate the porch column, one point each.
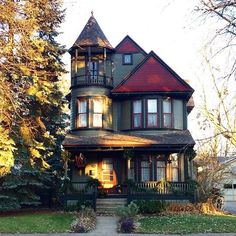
{"type": "Point", "coordinates": [128, 168]}
{"type": "Point", "coordinates": [186, 169]}
{"type": "Point", "coordinates": [182, 167]}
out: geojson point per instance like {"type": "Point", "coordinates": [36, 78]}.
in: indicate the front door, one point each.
{"type": "Point", "coordinates": [108, 175]}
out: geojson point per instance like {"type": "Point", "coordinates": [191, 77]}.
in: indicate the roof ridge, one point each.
{"type": "Point", "coordinates": [129, 38]}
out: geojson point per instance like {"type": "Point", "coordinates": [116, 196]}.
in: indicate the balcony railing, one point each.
{"type": "Point", "coordinates": [96, 80]}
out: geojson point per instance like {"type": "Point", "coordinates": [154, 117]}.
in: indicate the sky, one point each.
{"type": "Point", "coordinates": [171, 28]}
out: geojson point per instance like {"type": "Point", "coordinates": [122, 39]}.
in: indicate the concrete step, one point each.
{"type": "Point", "coordinates": [108, 206]}
{"type": "Point", "coordinates": [111, 201]}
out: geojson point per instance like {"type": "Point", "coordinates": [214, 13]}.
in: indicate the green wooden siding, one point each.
{"type": "Point", "coordinates": [120, 70]}
{"type": "Point", "coordinates": [178, 114]}
{"type": "Point", "coordinates": [125, 115]}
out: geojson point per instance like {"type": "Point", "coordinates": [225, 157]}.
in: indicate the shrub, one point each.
{"type": "Point", "coordinates": [85, 221]}
{"type": "Point", "coordinates": [151, 206]}
{"type": "Point", "coordinates": [182, 207]}
{"type": "Point", "coordinates": [130, 211]}
{"type": "Point", "coordinates": [78, 206]}
{"type": "Point", "coordinates": [127, 225]}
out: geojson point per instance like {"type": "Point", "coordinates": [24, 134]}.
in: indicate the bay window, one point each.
{"type": "Point", "coordinates": [152, 115]}
{"type": "Point", "coordinates": [97, 112]}
{"type": "Point", "coordinates": [137, 114]}
{"type": "Point", "coordinates": [167, 113]}
{"type": "Point", "coordinates": [82, 113]}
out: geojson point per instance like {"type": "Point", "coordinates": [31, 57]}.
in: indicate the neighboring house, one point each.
{"type": "Point", "coordinates": [128, 116]}
{"type": "Point", "coordinates": [229, 183]}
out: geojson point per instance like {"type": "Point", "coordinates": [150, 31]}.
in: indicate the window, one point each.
{"type": "Point", "coordinates": [175, 168]}
{"type": "Point", "coordinates": [167, 114]}
{"type": "Point", "coordinates": [97, 112]}
{"type": "Point", "coordinates": [82, 113]}
{"type": "Point", "coordinates": [127, 59]}
{"type": "Point", "coordinates": [152, 113]}
{"type": "Point", "coordinates": [92, 69]}
{"type": "Point", "coordinates": [228, 186]}
{"type": "Point", "coordinates": [137, 114]}
{"type": "Point", "coordinates": [145, 171]}
{"type": "Point", "coordinates": [161, 170]}
{"type": "Point", "coordinates": [107, 169]}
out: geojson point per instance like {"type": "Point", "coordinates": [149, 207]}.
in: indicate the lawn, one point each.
{"type": "Point", "coordinates": [36, 223]}
{"type": "Point", "coordinates": [186, 224]}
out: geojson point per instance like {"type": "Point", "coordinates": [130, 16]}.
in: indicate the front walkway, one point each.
{"type": "Point", "coordinates": [106, 225]}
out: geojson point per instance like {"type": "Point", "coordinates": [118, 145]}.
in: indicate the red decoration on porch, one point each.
{"type": "Point", "coordinates": [80, 160]}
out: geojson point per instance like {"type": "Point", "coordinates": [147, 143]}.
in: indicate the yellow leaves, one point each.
{"type": "Point", "coordinates": [40, 123]}
{"type": "Point", "coordinates": [41, 89]}
{"type": "Point", "coordinates": [26, 135]}
{"type": "Point", "coordinates": [34, 153]}
{"type": "Point", "coordinates": [32, 90]}
{"type": "Point", "coordinates": [25, 70]}
{"type": "Point", "coordinates": [7, 147]}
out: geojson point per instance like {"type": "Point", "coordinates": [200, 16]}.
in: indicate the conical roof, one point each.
{"type": "Point", "coordinates": [92, 35]}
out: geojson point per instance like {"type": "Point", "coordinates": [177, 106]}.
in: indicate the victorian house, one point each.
{"type": "Point", "coordinates": [128, 116]}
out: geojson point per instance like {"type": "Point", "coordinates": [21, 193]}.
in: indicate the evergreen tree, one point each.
{"type": "Point", "coordinates": [31, 101]}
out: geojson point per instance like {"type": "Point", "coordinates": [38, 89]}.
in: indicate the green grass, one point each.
{"type": "Point", "coordinates": [185, 224]}
{"type": "Point", "coordinates": [36, 223]}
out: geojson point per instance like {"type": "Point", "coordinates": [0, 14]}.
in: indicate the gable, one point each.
{"type": "Point", "coordinates": [128, 45]}
{"type": "Point", "coordinates": [152, 75]}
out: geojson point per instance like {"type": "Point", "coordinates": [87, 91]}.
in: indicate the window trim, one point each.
{"type": "Point", "coordinates": [131, 59]}
{"type": "Point", "coordinates": [82, 113]}
{"type": "Point", "coordinates": [165, 113]}
{"type": "Point", "coordinates": [141, 114]}
{"type": "Point", "coordinates": [152, 113]}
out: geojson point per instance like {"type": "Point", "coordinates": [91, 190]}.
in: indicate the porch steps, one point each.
{"type": "Point", "coordinates": [108, 206]}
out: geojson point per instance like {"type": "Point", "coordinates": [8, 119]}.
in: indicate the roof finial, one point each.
{"type": "Point", "coordinates": [92, 13]}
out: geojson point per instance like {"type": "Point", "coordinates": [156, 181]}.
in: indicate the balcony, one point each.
{"type": "Point", "coordinates": [92, 80]}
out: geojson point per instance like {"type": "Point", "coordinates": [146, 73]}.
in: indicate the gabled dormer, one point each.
{"type": "Point", "coordinates": [152, 96]}
{"type": "Point", "coordinates": [128, 54]}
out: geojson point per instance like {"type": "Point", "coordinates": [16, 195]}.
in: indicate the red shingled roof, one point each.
{"type": "Point", "coordinates": [128, 45]}
{"type": "Point", "coordinates": [152, 75]}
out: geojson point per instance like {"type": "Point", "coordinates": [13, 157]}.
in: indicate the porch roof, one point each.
{"type": "Point", "coordinates": [180, 138]}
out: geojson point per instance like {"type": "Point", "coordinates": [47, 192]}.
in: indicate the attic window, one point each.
{"type": "Point", "coordinates": [127, 59]}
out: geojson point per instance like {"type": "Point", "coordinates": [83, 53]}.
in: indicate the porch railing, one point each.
{"type": "Point", "coordinates": [82, 192]}
{"type": "Point", "coordinates": [161, 191]}
{"type": "Point", "coordinates": [165, 187]}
